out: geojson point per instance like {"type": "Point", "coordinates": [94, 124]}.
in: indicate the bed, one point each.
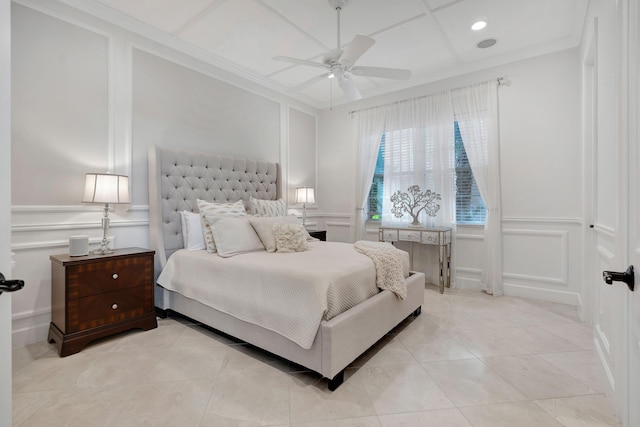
{"type": "Point", "coordinates": [177, 179]}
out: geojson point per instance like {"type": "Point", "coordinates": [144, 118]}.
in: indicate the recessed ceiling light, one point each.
{"type": "Point", "coordinates": [478, 25]}
{"type": "Point", "coordinates": [486, 43]}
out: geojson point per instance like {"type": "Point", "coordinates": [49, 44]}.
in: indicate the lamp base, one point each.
{"type": "Point", "coordinates": [103, 251]}
{"type": "Point", "coordinates": [104, 248]}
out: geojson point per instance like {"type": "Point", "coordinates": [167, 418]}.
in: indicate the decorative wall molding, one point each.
{"type": "Point", "coordinates": [45, 8]}
{"type": "Point", "coordinates": [544, 220]}
{"type": "Point", "coordinates": [70, 208]}
{"type": "Point", "coordinates": [337, 215]}
{"type": "Point", "coordinates": [338, 224]}
{"type": "Point", "coordinates": [606, 230]}
{"type": "Point", "coordinates": [77, 226]}
{"type": "Point", "coordinates": [564, 256]}
{"type": "Point", "coordinates": [463, 236]}
{"type": "Point", "coordinates": [532, 278]}
{"type": "Point", "coordinates": [468, 270]}
{"type": "Point", "coordinates": [52, 244]}
{"type": "Point", "coordinates": [54, 208]}
{"type": "Point", "coordinates": [604, 340]}
{"type": "Point", "coordinates": [605, 253]}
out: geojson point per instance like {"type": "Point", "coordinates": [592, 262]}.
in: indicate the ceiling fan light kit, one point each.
{"type": "Point", "coordinates": [340, 63]}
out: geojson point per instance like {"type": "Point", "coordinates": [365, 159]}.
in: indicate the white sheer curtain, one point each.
{"type": "Point", "coordinates": [371, 123]}
{"type": "Point", "coordinates": [476, 110]}
{"type": "Point", "coordinates": [420, 149]}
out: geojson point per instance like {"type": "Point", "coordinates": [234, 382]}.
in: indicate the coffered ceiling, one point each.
{"type": "Point", "coordinates": [432, 38]}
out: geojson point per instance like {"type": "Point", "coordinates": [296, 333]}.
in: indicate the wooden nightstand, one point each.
{"type": "Point", "coordinates": [320, 235]}
{"type": "Point", "coordinates": [94, 296]}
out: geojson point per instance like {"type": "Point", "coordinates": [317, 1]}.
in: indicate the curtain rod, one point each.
{"type": "Point", "coordinates": [500, 81]}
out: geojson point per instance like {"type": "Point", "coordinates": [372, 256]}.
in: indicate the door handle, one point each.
{"type": "Point", "coordinates": [627, 277]}
{"type": "Point", "coordinates": [10, 285]}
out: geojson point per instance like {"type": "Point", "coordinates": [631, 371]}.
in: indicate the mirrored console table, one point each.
{"type": "Point", "coordinates": [439, 236]}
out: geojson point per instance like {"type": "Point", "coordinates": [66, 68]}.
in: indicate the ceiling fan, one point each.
{"type": "Point", "coordinates": [339, 63]}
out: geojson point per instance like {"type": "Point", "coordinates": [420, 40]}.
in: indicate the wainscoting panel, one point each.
{"type": "Point", "coordinates": [543, 259]}
{"type": "Point", "coordinates": [536, 256]}
{"type": "Point", "coordinates": [469, 256]}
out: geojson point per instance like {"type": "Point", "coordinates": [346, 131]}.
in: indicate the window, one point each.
{"type": "Point", "coordinates": [376, 193]}
{"type": "Point", "coordinates": [469, 205]}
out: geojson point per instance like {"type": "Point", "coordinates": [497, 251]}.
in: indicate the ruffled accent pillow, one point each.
{"type": "Point", "coordinates": [290, 237]}
{"type": "Point", "coordinates": [211, 212]}
{"type": "Point", "coordinates": [268, 207]}
{"type": "Point", "coordinates": [264, 228]}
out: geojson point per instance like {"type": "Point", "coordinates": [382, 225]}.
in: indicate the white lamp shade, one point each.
{"type": "Point", "coordinates": [106, 188]}
{"type": "Point", "coordinates": [305, 195]}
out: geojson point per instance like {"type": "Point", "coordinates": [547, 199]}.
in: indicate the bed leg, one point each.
{"type": "Point", "coordinates": [417, 311]}
{"type": "Point", "coordinates": [335, 382]}
{"type": "Point", "coordinates": [161, 313]}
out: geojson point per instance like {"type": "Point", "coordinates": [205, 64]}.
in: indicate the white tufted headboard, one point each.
{"type": "Point", "coordinates": [177, 178]}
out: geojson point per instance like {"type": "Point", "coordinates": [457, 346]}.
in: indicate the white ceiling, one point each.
{"type": "Point", "coordinates": [432, 38]}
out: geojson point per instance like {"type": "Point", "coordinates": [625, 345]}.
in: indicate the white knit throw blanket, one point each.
{"type": "Point", "coordinates": [388, 262]}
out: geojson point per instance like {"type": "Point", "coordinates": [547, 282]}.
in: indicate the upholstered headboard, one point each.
{"type": "Point", "coordinates": [177, 178]}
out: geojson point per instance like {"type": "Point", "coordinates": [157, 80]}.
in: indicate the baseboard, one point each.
{"type": "Point", "coordinates": [30, 327]}
{"type": "Point", "coordinates": [530, 292]}
{"type": "Point", "coordinates": [551, 295]}
{"type": "Point", "coordinates": [468, 283]}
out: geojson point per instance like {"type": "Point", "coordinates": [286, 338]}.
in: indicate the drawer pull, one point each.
{"type": "Point", "coordinates": [114, 306]}
{"type": "Point", "coordinates": [115, 276]}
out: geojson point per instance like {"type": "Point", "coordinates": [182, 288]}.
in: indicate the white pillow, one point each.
{"type": "Point", "coordinates": [211, 210]}
{"type": "Point", "coordinates": [268, 207]}
{"type": "Point", "coordinates": [192, 234]}
{"type": "Point", "coordinates": [290, 238]}
{"type": "Point", "coordinates": [264, 228]}
{"type": "Point", "coordinates": [234, 236]}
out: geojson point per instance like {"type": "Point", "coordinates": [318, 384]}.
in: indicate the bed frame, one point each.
{"type": "Point", "coordinates": [176, 179]}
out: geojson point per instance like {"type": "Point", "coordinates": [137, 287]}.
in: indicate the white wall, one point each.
{"type": "Point", "coordinates": [89, 96]}
{"type": "Point", "coordinates": [92, 96]}
{"type": "Point", "coordinates": [541, 176]}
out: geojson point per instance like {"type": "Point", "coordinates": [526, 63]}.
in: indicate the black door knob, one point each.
{"type": "Point", "coordinates": [10, 285]}
{"type": "Point", "coordinates": [627, 277]}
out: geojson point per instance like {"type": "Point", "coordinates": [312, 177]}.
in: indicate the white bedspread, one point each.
{"type": "Point", "coordinates": [288, 293]}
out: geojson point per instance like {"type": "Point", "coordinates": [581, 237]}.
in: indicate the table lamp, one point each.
{"type": "Point", "coordinates": [105, 188]}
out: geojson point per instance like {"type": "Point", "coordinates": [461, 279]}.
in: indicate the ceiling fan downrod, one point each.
{"type": "Point", "coordinates": [338, 5]}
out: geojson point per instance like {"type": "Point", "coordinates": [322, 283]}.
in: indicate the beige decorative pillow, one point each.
{"type": "Point", "coordinates": [211, 212]}
{"type": "Point", "coordinates": [235, 236]}
{"type": "Point", "coordinates": [290, 237]}
{"type": "Point", "coordinates": [264, 228]}
{"type": "Point", "coordinates": [268, 207]}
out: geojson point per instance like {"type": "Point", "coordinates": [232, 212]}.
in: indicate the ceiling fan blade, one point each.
{"type": "Point", "coordinates": [358, 46]}
{"type": "Point", "coordinates": [299, 61]}
{"type": "Point", "coordinates": [349, 88]}
{"type": "Point", "coordinates": [387, 73]}
{"type": "Point", "coordinates": [308, 83]}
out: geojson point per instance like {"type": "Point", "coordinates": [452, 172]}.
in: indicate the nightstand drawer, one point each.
{"type": "Point", "coordinates": [96, 278]}
{"type": "Point", "coordinates": [92, 311]}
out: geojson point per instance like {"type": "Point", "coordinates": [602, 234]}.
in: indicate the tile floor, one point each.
{"type": "Point", "coordinates": [468, 360]}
